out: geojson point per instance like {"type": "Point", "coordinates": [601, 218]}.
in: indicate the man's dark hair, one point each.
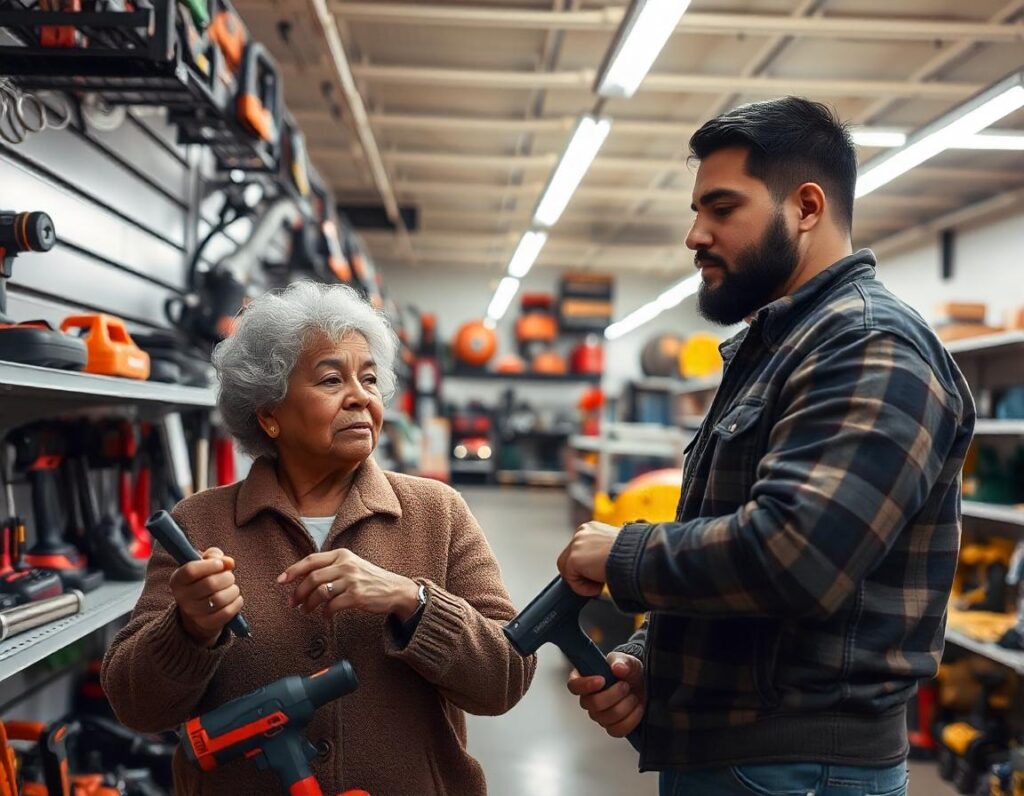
{"type": "Point", "coordinates": [790, 141]}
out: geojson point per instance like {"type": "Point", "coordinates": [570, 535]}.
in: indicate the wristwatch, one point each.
{"type": "Point", "coordinates": [421, 595]}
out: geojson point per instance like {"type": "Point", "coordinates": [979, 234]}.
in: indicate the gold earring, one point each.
{"type": "Point", "coordinates": [272, 431]}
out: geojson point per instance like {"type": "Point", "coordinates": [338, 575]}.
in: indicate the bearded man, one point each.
{"type": "Point", "coordinates": [800, 594]}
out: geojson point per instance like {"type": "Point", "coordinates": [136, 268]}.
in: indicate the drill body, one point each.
{"type": "Point", "coordinates": [553, 616]}
{"type": "Point", "coordinates": [21, 232]}
{"type": "Point", "coordinates": [268, 726]}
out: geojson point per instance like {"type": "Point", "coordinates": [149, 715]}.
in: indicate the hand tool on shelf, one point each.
{"type": "Point", "coordinates": [259, 105]}
{"type": "Point", "coordinates": [39, 452]}
{"type": "Point", "coordinates": [32, 615]}
{"type": "Point", "coordinates": [61, 36]}
{"type": "Point", "coordinates": [170, 535]}
{"type": "Point", "coordinates": [25, 585]}
{"type": "Point", "coordinates": [111, 350]}
{"type": "Point", "coordinates": [31, 342]}
{"type": "Point", "coordinates": [268, 725]}
{"type": "Point", "coordinates": [230, 34]}
{"type": "Point", "coordinates": [109, 546]}
{"type": "Point", "coordinates": [554, 616]}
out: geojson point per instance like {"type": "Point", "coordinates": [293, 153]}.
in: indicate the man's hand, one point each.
{"type": "Point", "coordinates": [582, 563]}
{"type": "Point", "coordinates": [620, 708]}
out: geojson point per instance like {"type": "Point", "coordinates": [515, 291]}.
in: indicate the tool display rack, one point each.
{"type": "Point", "coordinates": [629, 439]}
{"type": "Point", "coordinates": [135, 58]}
{"type": "Point", "coordinates": [992, 361]}
{"type": "Point", "coordinates": [30, 393]}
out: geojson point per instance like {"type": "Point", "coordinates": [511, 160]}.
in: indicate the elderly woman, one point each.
{"type": "Point", "coordinates": [333, 558]}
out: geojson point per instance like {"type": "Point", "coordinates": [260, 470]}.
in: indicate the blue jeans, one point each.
{"type": "Point", "coordinates": [786, 779]}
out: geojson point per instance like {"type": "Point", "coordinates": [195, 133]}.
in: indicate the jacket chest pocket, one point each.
{"type": "Point", "coordinates": [738, 440]}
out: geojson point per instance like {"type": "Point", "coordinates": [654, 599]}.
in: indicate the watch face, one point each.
{"type": "Point", "coordinates": [422, 594]}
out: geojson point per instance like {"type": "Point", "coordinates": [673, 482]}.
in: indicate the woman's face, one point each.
{"type": "Point", "coordinates": [333, 409]}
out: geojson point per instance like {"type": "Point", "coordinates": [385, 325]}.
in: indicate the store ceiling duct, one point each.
{"type": "Point", "coordinates": [584, 144]}
{"type": "Point", "coordinates": [364, 217]}
{"type": "Point", "coordinates": [949, 130]}
{"type": "Point", "coordinates": [640, 38]}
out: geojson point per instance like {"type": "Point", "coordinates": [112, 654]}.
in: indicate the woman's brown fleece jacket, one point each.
{"type": "Point", "coordinates": [403, 731]}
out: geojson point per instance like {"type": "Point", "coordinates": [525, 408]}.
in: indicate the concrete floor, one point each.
{"type": "Point", "coordinates": [547, 746]}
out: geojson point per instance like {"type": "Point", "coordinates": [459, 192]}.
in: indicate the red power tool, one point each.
{"type": "Point", "coordinates": [267, 725]}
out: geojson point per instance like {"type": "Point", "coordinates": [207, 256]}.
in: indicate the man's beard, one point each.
{"type": "Point", "coordinates": [759, 273]}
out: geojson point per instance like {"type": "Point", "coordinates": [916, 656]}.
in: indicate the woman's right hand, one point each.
{"type": "Point", "coordinates": [207, 595]}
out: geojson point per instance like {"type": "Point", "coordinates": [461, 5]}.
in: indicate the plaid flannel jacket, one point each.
{"type": "Point", "coordinates": [801, 592]}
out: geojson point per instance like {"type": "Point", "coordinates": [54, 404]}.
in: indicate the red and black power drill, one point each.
{"type": "Point", "coordinates": [267, 725]}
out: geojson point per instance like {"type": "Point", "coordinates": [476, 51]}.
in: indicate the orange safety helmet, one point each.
{"type": "Point", "coordinates": [550, 363]}
{"type": "Point", "coordinates": [474, 344]}
{"type": "Point", "coordinates": [510, 363]}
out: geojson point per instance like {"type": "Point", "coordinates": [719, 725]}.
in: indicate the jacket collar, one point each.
{"type": "Point", "coordinates": [371, 493]}
{"type": "Point", "coordinates": [774, 318]}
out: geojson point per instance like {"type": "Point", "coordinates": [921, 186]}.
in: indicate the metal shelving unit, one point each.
{"type": "Point", "coordinates": [986, 343]}
{"type": "Point", "coordinates": [29, 393]}
{"type": "Point", "coordinates": [1011, 658]}
{"type": "Point", "coordinates": [1009, 515]}
{"type": "Point", "coordinates": [532, 477]}
{"type": "Point", "coordinates": [484, 375]}
{"type": "Point", "coordinates": [999, 428]}
{"type": "Point", "coordinates": [625, 447]}
{"type": "Point", "coordinates": [109, 602]}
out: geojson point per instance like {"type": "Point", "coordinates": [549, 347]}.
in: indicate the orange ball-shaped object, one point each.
{"type": "Point", "coordinates": [475, 344]}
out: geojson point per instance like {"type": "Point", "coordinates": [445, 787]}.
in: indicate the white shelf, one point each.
{"type": "Point", "coordinates": [532, 477]}
{"type": "Point", "coordinates": [28, 393]}
{"type": "Point", "coordinates": [1011, 658]}
{"type": "Point", "coordinates": [102, 606]}
{"type": "Point", "coordinates": [474, 466]}
{"type": "Point", "coordinates": [581, 495]}
{"type": "Point", "coordinates": [986, 343]}
{"type": "Point", "coordinates": [999, 427]}
{"type": "Point", "coordinates": [991, 511]}
{"type": "Point", "coordinates": [652, 448]}
{"type": "Point", "coordinates": [679, 386]}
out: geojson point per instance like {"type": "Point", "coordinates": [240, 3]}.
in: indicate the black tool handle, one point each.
{"type": "Point", "coordinates": [589, 661]}
{"type": "Point", "coordinates": [166, 531]}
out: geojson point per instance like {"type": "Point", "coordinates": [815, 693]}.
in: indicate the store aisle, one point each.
{"type": "Point", "coordinates": [547, 746]}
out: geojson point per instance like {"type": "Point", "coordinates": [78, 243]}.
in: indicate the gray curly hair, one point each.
{"type": "Point", "coordinates": [255, 363]}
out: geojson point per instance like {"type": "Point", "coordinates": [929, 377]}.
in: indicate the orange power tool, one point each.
{"type": "Point", "coordinates": [267, 726]}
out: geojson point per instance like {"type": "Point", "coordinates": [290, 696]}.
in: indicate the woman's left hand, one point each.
{"type": "Point", "coordinates": [341, 580]}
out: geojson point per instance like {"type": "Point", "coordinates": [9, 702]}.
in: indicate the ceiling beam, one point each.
{"type": "Point", "coordinates": [608, 19]}
{"type": "Point", "coordinates": [626, 194]}
{"type": "Point", "coordinates": [455, 161]}
{"type": "Point", "coordinates": [583, 79]}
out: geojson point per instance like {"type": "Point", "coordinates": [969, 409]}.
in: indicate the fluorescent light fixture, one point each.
{"type": "Point", "coordinates": [883, 139]}
{"type": "Point", "coordinates": [645, 28]}
{"type": "Point", "coordinates": [584, 144]}
{"type": "Point", "coordinates": [635, 319]}
{"type": "Point", "coordinates": [964, 121]}
{"type": "Point", "coordinates": [1010, 141]}
{"type": "Point", "coordinates": [672, 297]}
{"type": "Point", "coordinates": [507, 289]}
{"type": "Point", "coordinates": [526, 253]}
